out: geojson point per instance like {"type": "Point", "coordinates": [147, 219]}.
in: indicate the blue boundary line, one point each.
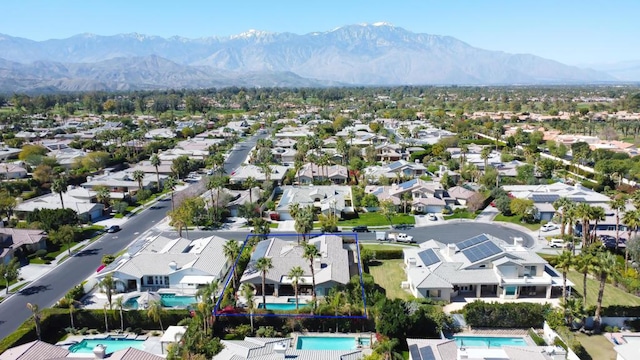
{"type": "Point", "coordinates": [267, 236]}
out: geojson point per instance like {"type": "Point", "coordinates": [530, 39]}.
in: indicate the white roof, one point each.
{"type": "Point", "coordinates": [173, 334]}
{"type": "Point", "coordinates": [197, 279]}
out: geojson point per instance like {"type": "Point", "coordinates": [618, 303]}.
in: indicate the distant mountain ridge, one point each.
{"type": "Point", "coordinates": [375, 54]}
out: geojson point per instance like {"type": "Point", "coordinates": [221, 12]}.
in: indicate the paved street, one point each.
{"type": "Point", "coordinates": [52, 286]}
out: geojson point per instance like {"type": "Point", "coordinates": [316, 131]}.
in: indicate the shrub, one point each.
{"type": "Point", "coordinates": [266, 331]}
{"type": "Point", "coordinates": [143, 195]}
{"type": "Point", "coordinates": [41, 253]}
{"type": "Point", "coordinates": [537, 338]}
{"type": "Point", "coordinates": [388, 254]}
{"type": "Point", "coordinates": [508, 315]}
{"type": "Point", "coordinates": [120, 207]}
{"type": "Point", "coordinates": [570, 341]}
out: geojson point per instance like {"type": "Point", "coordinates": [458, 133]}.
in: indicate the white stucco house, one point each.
{"type": "Point", "coordinates": [329, 199]}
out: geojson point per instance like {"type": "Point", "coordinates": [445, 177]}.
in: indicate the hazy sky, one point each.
{"type": "Point", "coordinates": [570, 31]}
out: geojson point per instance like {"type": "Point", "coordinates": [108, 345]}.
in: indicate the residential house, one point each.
{"type": "Point", "coordinates": [162, 133]}
{"type": "Point", "coordinates": [258, 348]}
{"type": "Point", "coordinates": [311, 172]}
{"type": "Point", "coordinates": [121, 183]}
{"type": "Point", "coordinates": [395, 170]}
{"type": "Point", "coordinates": [626, 351]}
{"type": "Point", "coordinates": [335, 266]}
{"type": "Point", "coordinates": [545, 195]}
{"type": "Point", "coordinates": [447, 349]}
{"type": "Point", "coordinates": [240, 175]}
{"type": "Point", "coordinates": [425, 196]}
{"type": "Point", "coordinates": [285, 156]}
{"type": "Point", "coordinates": [285, 143]}
{"type": "Point", "coordinates": [233, 199]}
{"type": "Point", "coordinates": [12, 171]}
{"type": "Point", "coordinates": [145, 166]}
{"type": "Point", "coordinates": [82, 201]}
{"type": "Point", "coordinates": [13, 240]}
{"type": "Point", "coordinates": [389, 152]}
{"type": "Point", "coordinates": [8, 153]}
{"type": "Point", "coordinates": [328, 199]}
{"type": "Point", "coordinates": [37, 350]}
{"type": "Point", "coordinates": [64, 155]}
{"type": "Point", "coordinates": [482, 266]}
{"type": "Point", "coordinates": [460, 194]}
{"type": "Point", "coordinates": [162, 263]}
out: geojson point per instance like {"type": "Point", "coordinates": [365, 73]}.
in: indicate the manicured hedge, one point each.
{"type": "Point", "coordinates": [388, 254]}
{"type": "Point", "coordinates": [55, 321]}
{"type": "Point", "coordinates": [507, 315]}
{"type": "Point", "coordinates": [621, 311]}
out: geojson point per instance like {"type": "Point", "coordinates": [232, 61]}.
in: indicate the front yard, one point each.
{"type": "Point", "coordinates": [375, 219]}
{"type": "Point", "coordinates": [517, 219]}
{"type": "Point", "coordinates": [461, 215]}
{"type": "Point", "coordinates": [389, 274]}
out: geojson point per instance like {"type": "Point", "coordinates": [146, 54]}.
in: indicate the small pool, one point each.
{"type": "Point", "coordinates": [489, 341]}
{"type": "Point", "coordinates": [168, 300]}
{"type": "Point", "coordinates": [86, 346]}
{"type": "Point", "coordinates": [331, 342]}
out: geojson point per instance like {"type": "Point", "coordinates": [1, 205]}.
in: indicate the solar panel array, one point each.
{"type": "Point", "coordinates": [414, 351]}
{"type": "Point", "coordinates": [428, 257]}
{"type": "Point", "coordinates": [473, 241]}
{"type": "Point", "coordinates": [426, 353]}
{"type": "Point", "coordinates": [544, 198]}
{"type": "Point", "coordinates": [482, 251]}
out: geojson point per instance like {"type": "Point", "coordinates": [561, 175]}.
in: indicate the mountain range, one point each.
{"type": "Point", "coordinates": [374, 54]}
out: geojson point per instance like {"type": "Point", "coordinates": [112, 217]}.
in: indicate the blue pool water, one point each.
{"type": "Point", "coordinates": [331, 342]}
{"type": "Point", "coordinates": [281, 306]}
{"type": "Point", "coordinates": [86, 346]}
{"type": "Point", "coordinates": [168, 300]}
{"type": "Point", "coordinates": [489, 341]}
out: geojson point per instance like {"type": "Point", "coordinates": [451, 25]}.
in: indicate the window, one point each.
{"type": "Point", "coordinates": [530, 270]}
{"type": "Point", "coordinates": [149, 280]}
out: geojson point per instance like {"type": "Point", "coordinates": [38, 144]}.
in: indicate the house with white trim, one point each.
{"type": "Point", "coordinates": [446, 349]}
{"type": "Point", "coordinates": [311, 172]}
{"type": "Point", "coordinates": [426, 196]}
{"type": "Point", "coordinates": [164, 263]}
{"type": "Point", "coordinates": [259, 348]}
{"type": "Point", "coordinates": [482, 266]}
{"type": "Point", "coordinates": [328, 199]}
{"type": "Point", "coordinates": [12, 171]}
{"type": "Point", "coordinates": [335, 266]}
{"type": "Point", "coordinates": [242, 173]}
{"type": "Point", "coordinates": [392, 171]}
{"type": "Point", "coordinates": [82, 201]}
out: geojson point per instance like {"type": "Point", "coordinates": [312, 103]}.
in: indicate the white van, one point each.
{"type": "Point", "coordinates": [558, 243]}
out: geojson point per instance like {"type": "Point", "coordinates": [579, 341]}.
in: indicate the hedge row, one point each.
{"type": "Point", "coordinates": [570, 340]}
{"type": "Point", "coordinates": [388, 254]}
{"type": "Point", "coordinates": [54, 322]}
{"type": "Point", "coordinates": [507, 315]}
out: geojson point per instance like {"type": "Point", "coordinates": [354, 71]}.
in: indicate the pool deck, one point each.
{"type": "Point", "coordinates": [98, 300]}
{"type": "Point", "coordinates": [151, 343]}
{"type": "Point", "coordinates": [505, 333]}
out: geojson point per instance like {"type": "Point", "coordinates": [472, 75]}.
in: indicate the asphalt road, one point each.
{"type": "Point", "coordinates": [51, 287]}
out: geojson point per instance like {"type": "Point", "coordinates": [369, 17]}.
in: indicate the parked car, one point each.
{"type": "Point", "coordinates": [432, 217]}
{"type": "Point", "coordinates": [113, 228]}
{"type": "Point", "coordinates": [402, 226]}
{"type": "Point", "coordinates": [400, 237]}
{"type": "Point", "coordinates": [558, 243]}
{"type": "Point", "coordinates": [360, 228]}
{"type": "Point", "coordinates": [549, 227]}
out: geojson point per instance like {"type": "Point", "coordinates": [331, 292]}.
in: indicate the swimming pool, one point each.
{"type": "Point", "coordinates": [86, 346]}
{"type": "Point", "coordinates": [168, 300]}
{"type": "Point", "coordinates": [489, 341]}
{"type": "Point", "coordinates": [331, 342]}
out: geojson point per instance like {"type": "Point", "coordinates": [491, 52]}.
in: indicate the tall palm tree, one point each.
{"type": "Point", "coordinates": [106, 284]}
{"type": "Point", "coordinates": [597, 214]}
{"type": "Point", "coordinates": [216, 183]}
{"type": "Point", "coordinates": [311, 252]}
{"type": "Point", "coordinates": [617, 204]}
{"type": "Point", "coordinates": [564, 262]}
{"type": "Point", "coordinates": [170, 184]}
{"type": "Point", "coordinates": [103, 195]}
{"type": "Point", "coordinates": [251, 183]}
{"type": "Point", "coordinates": [155, 162]}
{"type": "Point", "coordinates": [35, 312]}
{"type": "Point", "coordinates": [138, 176]}
{"type": "Point", "coordinates": [295, 274]}
{"type": "Point", "coordinates": [120, 305]}
{"type": "Point", "coordinates": [207, 296]}
{"type": "Point", "coordinates": [337, 300]}
{"type": "Point", "coordinates": [264, 265]}
{"type": "Point", "coordinates": [217, 160]}
{"type": "Point", "coordinates": [267, 171]}
{"type": "Point", "coordinates": [106, 318]}
{"type": "Point", "coordinates": [231, 250]}
{"type": "Point", "coordinates": [59, 186]}
{"type": "Point", "coordinates": [604, 266]}
{"type": "Point", "coordinates": [248, 292]}
{"type": "Point", "coordinates": [562, 205]}
{"type": "Point", "coordinates": [631, 219]}
{"type": "Point", "coordinates": [583, 264]}
{"type": "Point", "coordinates": [155, 311]}
{"type": "Point", "coordinates": [584, 213]}
{"type": "Point", "coordinates": [484, 155]}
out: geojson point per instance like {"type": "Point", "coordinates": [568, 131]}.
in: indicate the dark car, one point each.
{"type": "Point", "coordinates": [113, 228]}
{"type": "Point", "coordinates": [360, 229]}
{"type": "Point", "coordinates": [403, 226]}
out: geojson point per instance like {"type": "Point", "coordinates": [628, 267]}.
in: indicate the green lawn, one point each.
{"type": "Point", "coordinates": [375, 219]}
{"type": "Point", "coordinates": [612, 294]}
{"type": "Point", "coordinates": [389, 274]}
{"type": "Point", "coordinates": [461, 215]}
{"type": "Point", "coordinates": [516, 219]}
{"type": "Point", "coordinates": [597, 346]}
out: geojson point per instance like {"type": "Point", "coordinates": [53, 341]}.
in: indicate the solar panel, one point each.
{"type": "Point", "coordinates": [261, 249]}
{"type": "Point", "coordinates": [482, 251]}
{"type": "Point", "coordinates": [414, 351]}
{"type": "Point", "coordinates": [543, 198]}
{"type": "Point", "coordinates": [473, 241]}
{"type": "Point", "coordinates": [427, 353]}
{"type": "Point", "coordinates": [408, 184]}
{"type": "Point", "coordinates": [428, 257]}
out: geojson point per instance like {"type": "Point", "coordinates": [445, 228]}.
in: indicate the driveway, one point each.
{"type": "Point", "coordinates": [488, 214]}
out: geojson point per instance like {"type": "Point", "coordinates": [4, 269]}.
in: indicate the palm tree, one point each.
{"type": "Point", "coordinates": [604, 266]}
{"type": "Point", "coordinates": [120, 305]}
{"type": "Point", "coordinates": [295, 274]}
{"type": "Point", "coordinates": [103, 195]}
{"type": "Point", "coordinates": [59, 186]}
{"type": "Point", "coordinates": [267, 171]}
{"type": "Point", "coordinates": [584, 212]}
{"type": "Point", "coordinates": [250, 183]}
{"type": "Point", "coordinates": [264, 265]}
{"type": "Point", "coordinates": [155, 162]}
{"type": "Point", "coordinates": [562, 205]}
{"type": "Point", "coordinates": [138, 176]}
{"type": "Point", "coordinates": [248, 292]}
{"type": "Point", "coordinates": [217, 160]}
{"type": "Point", "coordinates": [631, 219]}
{"type": "Point", "coordinates": [311, 253]}
{"type": "Point", "coordinates": [72, 309]}
{"type": "Point", "coordinates": [337, 299]}
{"type": "Point", "coordinates": [231, 250]}
{"type": "Point", "coordinates": [106, 284]}
{"type": "Point", "coordinates": [597, 214]}
{"type": "Point", "coordinates": [573, 308]}
{"type": "Point", "coordinates": [106, 318]}
{"type": "Point", "coordinates": [155, 311]}
{"type": "Point", "coordinates": [564, 262]}
{"type": "Point", "coordinates": [583, 264]}
{"type": "Point", "coordinates": [484, 155]}
{"type": "Point", "coordinates": [386, 348]}
{"type": "Point", "coordinates": [618, 203]}
{"type": "Point", "coordinates": [35, 312]}
{"type": "Point", "coordinates": [215, 182]}
{"type": "Point", "coordinates": [170, 184]}
{"type": "Point", "coordinates": [207, 295]}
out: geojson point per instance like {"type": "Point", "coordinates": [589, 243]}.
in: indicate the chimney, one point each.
{"type": "Point", "coordinates": [451, 249]}
{"type": "Point", "coordinates": [280, 349]}
{"type": "Point", "coordinates": [100, 351]}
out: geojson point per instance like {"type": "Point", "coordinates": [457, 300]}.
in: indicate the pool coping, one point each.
{"type": "Point", "coordinates": [148, 342]}
{"type": "Point", "coordinates": [371, 336]}
{"type": "Point", "coordinates": [527, 339]}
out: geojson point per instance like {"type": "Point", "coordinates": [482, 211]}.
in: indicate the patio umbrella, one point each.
{"type": "Point", "coordinates": [146, 298]}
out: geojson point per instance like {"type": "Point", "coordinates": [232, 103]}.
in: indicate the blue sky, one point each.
{"type": "Point", "coordinates": [570, 31]}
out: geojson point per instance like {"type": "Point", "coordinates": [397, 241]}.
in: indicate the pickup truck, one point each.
{"type": "Point", "coordinates": [400, 237]}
